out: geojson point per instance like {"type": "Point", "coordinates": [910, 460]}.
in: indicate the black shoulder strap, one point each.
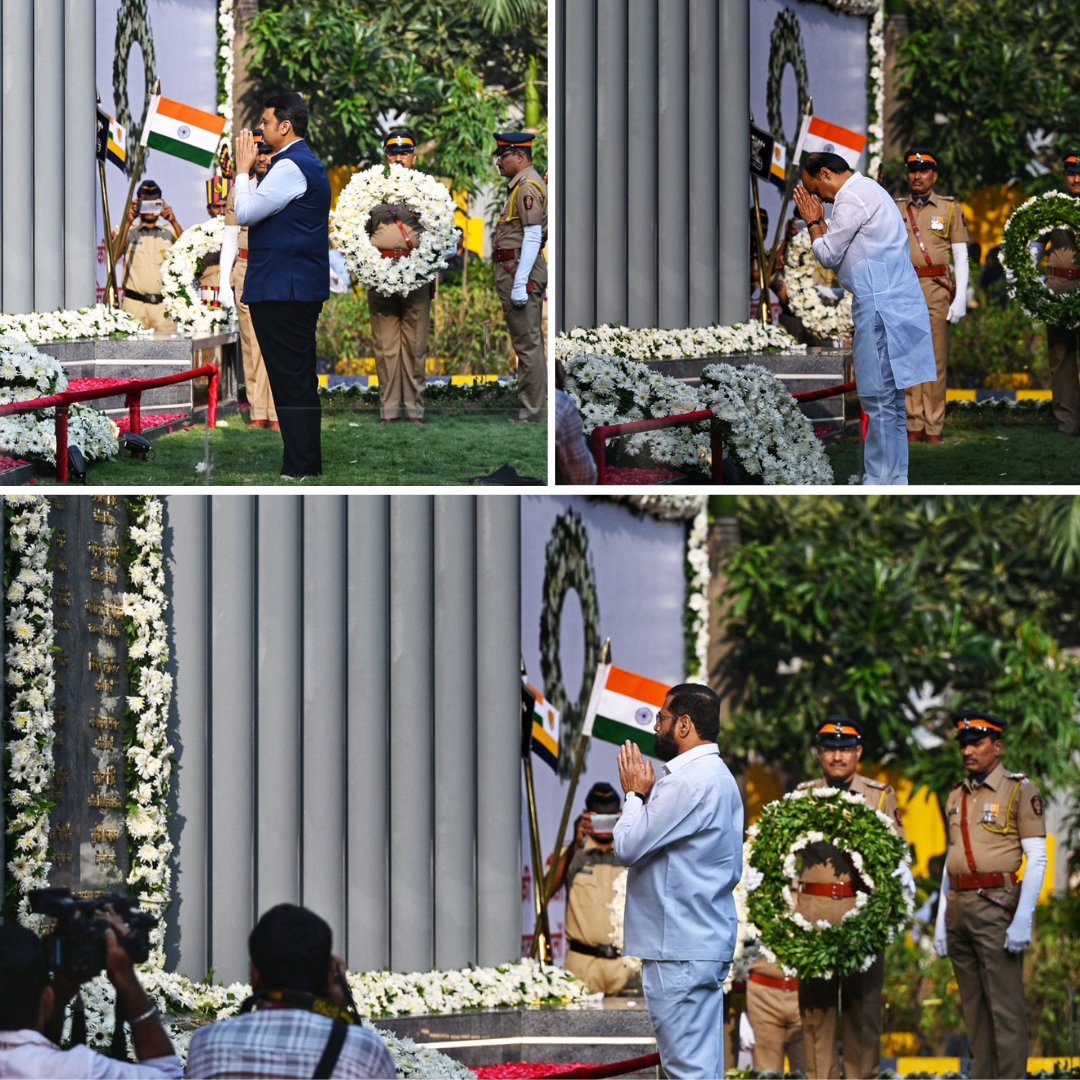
{"type": "Point", "coordinates": [332, 1051]}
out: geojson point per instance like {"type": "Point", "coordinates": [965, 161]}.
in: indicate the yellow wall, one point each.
{"type": "Point", "coordinates": [987, 209]}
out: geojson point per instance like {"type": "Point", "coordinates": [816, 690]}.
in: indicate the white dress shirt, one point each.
{"type": "Point", "coordinates": [283, 183]}
{"type": "Point", "coordinates": [29, 1054]}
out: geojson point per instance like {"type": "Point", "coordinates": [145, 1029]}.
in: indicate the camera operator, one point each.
{"type": "Point", "coordinates": [32, 1005]}
{"type": "Point", "coordinates": [300, 1019]}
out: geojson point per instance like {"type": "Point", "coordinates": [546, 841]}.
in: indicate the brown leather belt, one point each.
{"type": "Point", "coordinates": [396, 253]}
{"type": "Point", "coordinates": [144, 298]}
{"type": "Point", "coordinates": [838, 890]}
{"type": "Point", "coordinates": [505, 254]}
{"type": "Point", "coordinates": [605, 952]}
{"type": "Point", "coordinates": [1070, 272]}
{"type": "Point", "coordinates": [936, 270]}
{"type": "Point", "coordinates": [775, 984]}
{"type": "Point", "coordinates": [243, 253]}
{"type": "Point", "coordinates": [969, 882]}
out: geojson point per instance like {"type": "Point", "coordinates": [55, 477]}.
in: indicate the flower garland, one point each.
{"type": "Point", "coordinates": [786, 827]}
{"type": "Point", "coordinates": [1027, 223]}
{"type": "Point", "coordinates": [226, 64]}
{"type": "Point", "coordinates": [424, 196]}
{"type": "Point", "coordinates": [181, 267]}
{"type": "Point", "coordinates": [186, 1004]}
{"type": "Point", "coordinates": [690, 343]}
{"type": "Point", "coordinates": [26, 374]}
{"type": "Point", "coordinates": [28, 698]}
{"type": "Point", "coordinates": [764, 426]}
{"type": "Point", "coordinates": [147, 746]}
{"type": "Point", "coordinates": [822, 319]}
{"type": "Point", "coordinates": [875, 86]}
{"type": "Point", "coordinates": [44, 327]}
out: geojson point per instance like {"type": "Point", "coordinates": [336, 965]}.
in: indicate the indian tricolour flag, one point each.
{"type": "Point", "coordinates": [624, 706]}
{"type": "Point", "coordinates": [182, 131]}
{"type": "Point", "coordinates": [817, 135]}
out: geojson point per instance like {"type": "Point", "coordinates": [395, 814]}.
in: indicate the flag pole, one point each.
{"type": "Point", "coordinates": [789, 189]}
{"type": "Point", "coordinates": [759, 237]}
{"type": "Point", "coordinates": [541, 942]}
{"type": "Point", "coordinates": [112, 296]}
{"type": "Point", "coordinates": [579, 761]}
{"type": "Point", "coordinates": [140, 154]}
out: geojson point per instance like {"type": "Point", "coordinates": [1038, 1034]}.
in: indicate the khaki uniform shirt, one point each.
{"type": "Point", "coordinates": [393, 227]}
{"type": "Point", "coordinates": [526, 204]}
{"type": "Point", "coordinates": [941, 224]}
{"type": "Point", "coordinates": [823, 862]}
{"type": "Point", "coordinates": [144, 255]}
{"type": "Point", "coordinates": [1062, 255]}
{"type": "Point", "coordinates": [1000, 812]}
{"type": "Point", "coordinates": [590, 887]}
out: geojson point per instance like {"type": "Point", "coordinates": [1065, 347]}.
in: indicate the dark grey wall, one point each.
{"type": "Point", "coordinates": [48, 177]}
{"type": "Point", "coordinates": [652, 106]}
{"type": "Point", "coordinates": [346, 704]}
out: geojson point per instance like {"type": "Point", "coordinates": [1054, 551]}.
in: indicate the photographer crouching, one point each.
{"type": "Point", "coordinates": [37, 982]}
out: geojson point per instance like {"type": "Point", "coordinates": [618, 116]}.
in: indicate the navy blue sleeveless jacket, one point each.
{"type": "Point", "coordinates": [289, 252]}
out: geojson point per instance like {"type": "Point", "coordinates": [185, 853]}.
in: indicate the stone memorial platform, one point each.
{"type": "Point", "coordinates": [815, 369]}
{"type": "Point", "coordinates": [618, 1029]}
{"type": "Point", "coordinates": [151, 358]}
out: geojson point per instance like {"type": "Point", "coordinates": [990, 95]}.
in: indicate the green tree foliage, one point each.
{"type": "Point", "coordinates": [363, 63]}
{"type": "Point", "coordinates": [983, 79]}
{"type": "Point", "coordinates": [865, 606]}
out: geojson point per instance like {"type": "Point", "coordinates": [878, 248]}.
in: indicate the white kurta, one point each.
{"type": "Point", "coordinates": [867, 246]}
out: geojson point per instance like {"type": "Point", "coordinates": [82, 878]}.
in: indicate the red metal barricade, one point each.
{"type": "Point", "coordinates": [132, 389]}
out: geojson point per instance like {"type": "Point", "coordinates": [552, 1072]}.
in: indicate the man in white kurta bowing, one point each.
{"type": "Point", "coordinates": [866, 243]}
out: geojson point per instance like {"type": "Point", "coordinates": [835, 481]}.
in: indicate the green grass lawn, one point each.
{"type": "Point", "coordinates": [449, 449]}
{"type": "Point", "coordinates": [984, 450]}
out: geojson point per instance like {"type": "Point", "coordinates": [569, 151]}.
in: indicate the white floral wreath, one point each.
{"type": "Point", "coordinates": [183, 304]}
{"type": "Point", "coordinates": [422, 194]}
{"type": "Point", "coordinates": [822, 319]}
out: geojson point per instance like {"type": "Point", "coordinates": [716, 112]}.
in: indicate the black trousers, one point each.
{"type": "Point", "coordinates": [286, 333]}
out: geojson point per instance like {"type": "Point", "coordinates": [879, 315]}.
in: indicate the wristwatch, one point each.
{"type": "Point", "coordinates": [811, 224]}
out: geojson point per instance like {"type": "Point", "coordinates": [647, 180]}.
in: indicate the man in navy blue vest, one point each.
{"type": "Point", "coordinates": [288, 273]}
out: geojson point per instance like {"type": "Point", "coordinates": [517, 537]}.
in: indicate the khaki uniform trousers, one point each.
{"type": "Point", "coordinates": [860, 995]}
{"type": "Point", "coordinates": [774, 1015]}
{"type": "Point", "coordinates": [1063, 346]}
{"type": "Point", "coordinates": [152, 316]}
{"type": "Point", "coordinates": [991, 983]}
{"type": "Point", "coordinates": [399, 327]}
{"type": "Point", "coordinates": [925, 402]}
{"type": "Point", "coordinates": [525, 335]}
{"type": "Point", "coordinates": [600, 974]}
{"type": "Point", "coordinates": [256, 381]}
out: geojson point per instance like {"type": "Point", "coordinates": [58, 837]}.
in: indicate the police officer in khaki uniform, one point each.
{"type": "Point", "coordinates": [218, 189]}
{"type": "Point", "coordinates": [827, 889]}
{"type": "Point", "coordinates": [938, 237]}
{"type": "Point", "coordinates": [234, 256]}
{"type": "Point", "coordinates": [984, 923]}
{"type": "Point", "coordinates": [145, 243]}
{"type": "Point", "coordinates": [520, 267]}
{"type": "Point", "coordinates": [399, 324]}
{"type": "Point", "coordinates": [590, 885]}
{"type": "Point", "coordinates": [1063, 342]}
{"type": "Point", "coordinates": [772, 1008]}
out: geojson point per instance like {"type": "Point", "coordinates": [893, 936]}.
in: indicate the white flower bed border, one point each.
{"type": "Point", "coordinates": [45, 327]}
{"type": "Point", "coordinates": [695, 342]}
{"type": "Point", "coordinates": [421, 193]}
{"type": "Point", "coordinates": [183, 304]}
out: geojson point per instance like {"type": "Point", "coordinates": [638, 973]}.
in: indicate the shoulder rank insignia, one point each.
{"type": "Point", "coordinates": [1018, 776]}
{"type": "Point", "coordinates": [1036, 805]}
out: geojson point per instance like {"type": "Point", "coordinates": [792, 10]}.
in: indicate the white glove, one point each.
{"type": "Point", "coordinates": [907, 882]}
{"type": "Point", "coordinates": [941, 938]}
{"type": "Point", "coordinates": [225, 296]}
{"type": "Point", "coordinates": [230, 246]}
{"type": "Point", "coordinates": [747, 1039]}
{"type": "Point", "coordinates": [531, 240]}
{"type": "Point", "coordinates": [1018, 936]}
{"type": "Point", "coordinates": [958, 308]}
{"type": "Point", "coordinates": [519, 295]}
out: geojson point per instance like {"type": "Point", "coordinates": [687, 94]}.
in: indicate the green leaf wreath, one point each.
{"type": "Point", "coordinates": [774, 844]}
{"type": "Point", "coordinates": [1026, 224]}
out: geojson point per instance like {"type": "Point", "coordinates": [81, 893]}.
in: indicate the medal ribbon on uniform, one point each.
{"type": "Point", "coordinates": [965, 835]}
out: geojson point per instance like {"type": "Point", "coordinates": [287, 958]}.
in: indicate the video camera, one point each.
{"type": "Point", "coordinates": [76, 944]}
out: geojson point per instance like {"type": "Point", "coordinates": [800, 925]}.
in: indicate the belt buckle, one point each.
{"type": "Point", "coordinates": [837, 894]}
